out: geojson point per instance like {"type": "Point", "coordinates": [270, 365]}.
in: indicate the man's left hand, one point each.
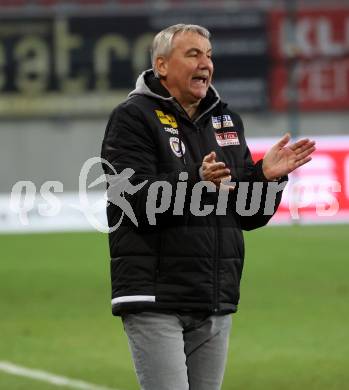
{"type": "Point", "coordinates": [281, 159]}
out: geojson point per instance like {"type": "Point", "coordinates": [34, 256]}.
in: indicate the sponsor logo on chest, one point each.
{"type": "Point", "coordinates": [228, 138]}
{"type": "Point", "coordinates": [171, 130]}
{"type": "Point", "coordinates": [171, 126]}
{"type": "Point", "coordinates": [168, 120]}
{"type": "Point", "coordinates": [222, 121]}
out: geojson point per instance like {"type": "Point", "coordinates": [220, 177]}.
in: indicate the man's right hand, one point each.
{"type": "Point", "coordinates": [214, 171]}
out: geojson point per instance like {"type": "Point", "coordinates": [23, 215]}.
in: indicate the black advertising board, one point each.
{"type": "Point", "coordinates": [240, 53]}
{"type": "Point", "coordinates": [83, 65]}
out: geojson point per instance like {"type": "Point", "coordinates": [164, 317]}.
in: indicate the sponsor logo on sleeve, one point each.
{"type": "Point", "coordinates": [227, 139]}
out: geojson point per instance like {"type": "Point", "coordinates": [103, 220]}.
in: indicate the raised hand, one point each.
{"type": "Point", "coordinates": [214, 171]}
{"type": "Point", "coordinates": [281, 159]}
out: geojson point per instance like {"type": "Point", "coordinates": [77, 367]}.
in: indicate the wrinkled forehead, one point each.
{"type": "Point", "coordinates": [186, 40]}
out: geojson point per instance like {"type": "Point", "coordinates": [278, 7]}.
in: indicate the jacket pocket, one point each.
{"type": "Point", "coordinates": [185, 279]}
{"type": "Point", "coordinates": [133, 275]}
{"type": "Point", "coordinates": [229, 280]}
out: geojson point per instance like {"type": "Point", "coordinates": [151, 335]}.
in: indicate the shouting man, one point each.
{"type": "Point", "coordinates": [175, 278]}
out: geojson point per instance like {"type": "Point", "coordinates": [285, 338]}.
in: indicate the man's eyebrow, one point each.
{"type": "Point", "coordinates": [195, 49]}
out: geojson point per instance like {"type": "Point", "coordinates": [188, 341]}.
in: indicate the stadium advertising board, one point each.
{"type": "Point", "coordinates": [319, 191]}
{"type": "Point", "coordinates": [321, 45]}
{"type": "Point", "coordinates": [70, 65]}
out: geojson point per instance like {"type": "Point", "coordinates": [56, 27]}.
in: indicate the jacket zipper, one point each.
{"type": "Point", "coordinates": [197, 128]}
{"type": "Point", "coordinates": [157, 271]}
{"type": "Point", "coordinates": [216, 267]}
{"type": "Point", "coordinates": [217, 230]}
{"type": "Point", "coordinates": [216, 244]}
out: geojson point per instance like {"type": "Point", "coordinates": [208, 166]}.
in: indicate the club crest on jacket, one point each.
{"type": "Point", "coordinates": [176, 149]}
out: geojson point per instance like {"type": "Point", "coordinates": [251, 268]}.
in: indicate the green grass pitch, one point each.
{"type": "Point", "coordinates": [291, 331]}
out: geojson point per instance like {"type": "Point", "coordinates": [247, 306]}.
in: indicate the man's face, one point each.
{"type": "Point", "coordinates": [187, 71]}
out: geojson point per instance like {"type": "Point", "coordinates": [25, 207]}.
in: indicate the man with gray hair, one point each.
{"type": "Point", "coordinates": [175, 283]}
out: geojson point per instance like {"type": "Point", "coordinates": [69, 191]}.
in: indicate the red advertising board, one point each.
{"type": "Point", "coordinates": [318, 192]}
{"type": "Point", "coordinates": [321, 48]}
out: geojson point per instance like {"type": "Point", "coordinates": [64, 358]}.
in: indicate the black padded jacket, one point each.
{"type": "Point", "coordinates": [188, 260]}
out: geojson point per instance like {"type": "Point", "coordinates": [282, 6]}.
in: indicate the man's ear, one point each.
{"type": "Point", "coordinates": [161, 66]}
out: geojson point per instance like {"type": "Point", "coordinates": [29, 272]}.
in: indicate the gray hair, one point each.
{"type": "Point", "coordinates": [162, 43]}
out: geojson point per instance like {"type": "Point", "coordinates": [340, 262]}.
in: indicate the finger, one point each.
{"type": "Point", "coordinates": [303, 161]}
{"type": "Point", "coordinates": [210, 157]}
{"type": "Point", "coordinates": [216, 175]}
{"type": "Point", "coordinates": [211, 167]}
{"type": "Point", "coordinates": [302, 143]}
{"type": "Point", "coordinates": [225, 187]}
{"type": "Point", "coordinates": [305, 148]}
{"type": "Point", "coordinates": [307, 144]}
{"type": "Point", "coordinates": [305, 153]}
{"type": "Point", "coordinates": [219, 174]}
{"type": "Point", "coordinates": [226, 180]}
{"type": "Point", "coordinates": [284, 140]}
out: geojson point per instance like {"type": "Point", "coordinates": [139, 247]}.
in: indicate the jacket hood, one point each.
{"type": "Point", "coordinates": [147, 85]}
{"type": "Point", "coordinates": [143, 87]}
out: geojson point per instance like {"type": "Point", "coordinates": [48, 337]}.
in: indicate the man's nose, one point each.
{"type": "Point", "coordinates": [205, 63]}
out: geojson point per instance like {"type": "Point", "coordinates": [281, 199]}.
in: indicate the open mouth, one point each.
{"type": "Point", "coordinates": [202, 80]}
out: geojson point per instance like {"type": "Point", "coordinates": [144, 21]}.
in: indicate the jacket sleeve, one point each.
{"type": "Point", "coordinates": [130, 143]}
{"type": "Point", "coordinates": [254, 192]}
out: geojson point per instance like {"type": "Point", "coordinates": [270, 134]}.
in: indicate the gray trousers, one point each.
{"type": "Point", "coordinates": [178, 352]}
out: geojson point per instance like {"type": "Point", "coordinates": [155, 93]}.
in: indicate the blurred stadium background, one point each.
{"type": "Point", "coordinates": [64, 65]}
